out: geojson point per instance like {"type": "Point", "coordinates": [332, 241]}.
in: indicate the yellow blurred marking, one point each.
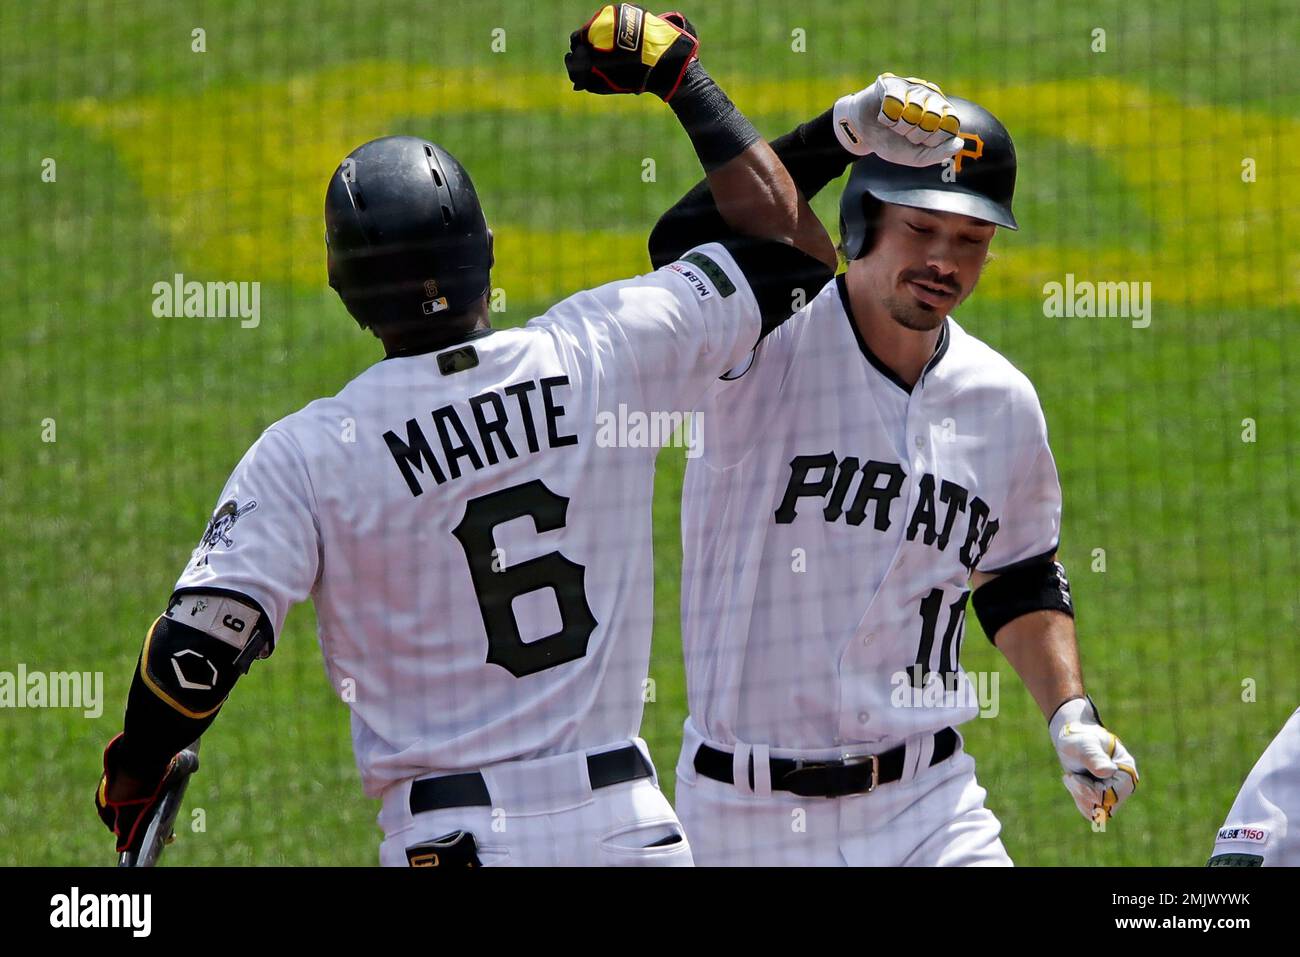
{"type": "Point", "coordinates": [925, 83]}
{"type": "Point", "coordinates": [892, 107]}
{"type": "Point", "coordinates": [912, 113]}
{"type": "Point", "coordinates": [950, 124]}
{"type": "Point", "coordinates": [972, 146]}
{"type": "Point", "coordinates": [601, 31]}
{"type": "Point", "coordinates": [659, 36]}
{"type": "Point", "coordinates": [236, 176]}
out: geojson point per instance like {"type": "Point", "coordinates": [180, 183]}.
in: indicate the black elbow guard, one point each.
{"type": "Point", "coordinates": [196, 650]}
{"type": "Point", "coordinates": [190, 661]}
{"type": "Point", "coordinates": [1038, 585]}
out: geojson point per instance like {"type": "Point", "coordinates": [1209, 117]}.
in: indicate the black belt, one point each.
{"type": "Point", "coordinates": [855, 775]}
{"type": "Point", "coordinates": [470, 790]}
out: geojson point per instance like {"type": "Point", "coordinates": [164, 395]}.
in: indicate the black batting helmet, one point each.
{"type": "Point", "coordinates": [405, 233]}
{"type": "Point", "coordinates": [978, 181]}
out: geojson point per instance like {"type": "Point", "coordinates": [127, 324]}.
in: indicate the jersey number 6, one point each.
{"type": "Point", "coordinates": [497, 587]}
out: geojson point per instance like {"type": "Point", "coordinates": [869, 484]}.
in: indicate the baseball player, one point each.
{"type": "Point", "coordinates": [1257, 831]}
{"type": "Point", "coordinates": [480, 563]}
{"type": "Point", "coordinates": [867, 474]}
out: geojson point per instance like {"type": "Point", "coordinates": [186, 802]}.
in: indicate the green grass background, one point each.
{"type": "Point", "coordinates": [174, 161]}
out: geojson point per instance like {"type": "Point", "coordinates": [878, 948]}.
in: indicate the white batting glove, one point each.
{"type": "Point", "coordinates": [1100, 773]}
{"type": "Point", "coordinates": [905, 121]}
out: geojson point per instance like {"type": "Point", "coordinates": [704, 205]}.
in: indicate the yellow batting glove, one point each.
{"type": "Point", "coordinates": [625, 49]}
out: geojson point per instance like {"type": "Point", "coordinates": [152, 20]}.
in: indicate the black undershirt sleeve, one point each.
{"type": "Point", "coordinates": [810, 152]}
{"type": "Point", "coordinates": [782, 278]}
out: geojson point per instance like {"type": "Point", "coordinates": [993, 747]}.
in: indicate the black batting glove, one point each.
{"type": "Point", "coordinates": [135, 794]}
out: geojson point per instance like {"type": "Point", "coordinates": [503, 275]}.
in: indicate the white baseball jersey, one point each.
{"type": "Point", "coordinates": [1257, 830]}
{"type": "Point", "coordinates": [478, 554]}
{"type": "Point", "coordinates": [831, 525]}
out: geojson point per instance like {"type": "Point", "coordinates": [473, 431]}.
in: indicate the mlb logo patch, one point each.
{"type": "Point", "coordinates": [694, 278]}
{"type": "Point", "coordinates": [704, 274]}
{"type": "Point", "coordinates": [1252, 835]}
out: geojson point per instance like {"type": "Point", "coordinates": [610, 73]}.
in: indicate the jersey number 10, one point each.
{"type": "Point", "coordinates": [931, 605]}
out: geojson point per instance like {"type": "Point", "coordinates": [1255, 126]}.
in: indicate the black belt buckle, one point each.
{"type": "Point", "coordinates": [839, 778]}
{"type": "Point", "coordinates": [457, 849]}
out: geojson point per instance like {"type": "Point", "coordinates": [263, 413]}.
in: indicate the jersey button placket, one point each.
{"type": "Point", "coordinates": [916, 467]}
{"type": "Point", "coordinates": [916, 441]}
{"type": "Point", "coordinates": [918, 458]}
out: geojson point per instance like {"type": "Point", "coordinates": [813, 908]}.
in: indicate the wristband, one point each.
{"type": "Point", "coordinates": [718, 131]}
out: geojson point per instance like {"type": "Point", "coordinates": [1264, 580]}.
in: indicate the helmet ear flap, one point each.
{"type": "Point", "coordinates": [858, 239]}
{"type": "Point", "coordinates": [872, 212]}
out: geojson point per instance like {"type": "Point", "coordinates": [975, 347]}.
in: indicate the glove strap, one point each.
{"type": "Point", "coordinates": [1078, 708]}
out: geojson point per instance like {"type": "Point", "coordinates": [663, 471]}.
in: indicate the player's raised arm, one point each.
{"type": "Point", "coordinates": [905, 121]}
{"type": "Point", "coordinates": [624, 49]}
{"type": "Point", "coordinates": [671, 333]}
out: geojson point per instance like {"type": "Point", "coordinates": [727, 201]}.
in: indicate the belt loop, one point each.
{"type": "Point", "coordinates": [644, 749]}
{"type": "Point", "coordinates": [740, 759]}
{"type": "Point", "coordinates": [762, 771]}
{"type": "Point", "coordinates": [920, 748]}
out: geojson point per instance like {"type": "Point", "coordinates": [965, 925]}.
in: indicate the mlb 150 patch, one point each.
{"type": "Point", "coordinates": [692, 276]}
{"type": "Point", "coordinates": [1253, 835]}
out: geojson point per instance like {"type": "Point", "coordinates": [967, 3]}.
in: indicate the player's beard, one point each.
{"type": "Point", "coordinates": [910, 314]}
